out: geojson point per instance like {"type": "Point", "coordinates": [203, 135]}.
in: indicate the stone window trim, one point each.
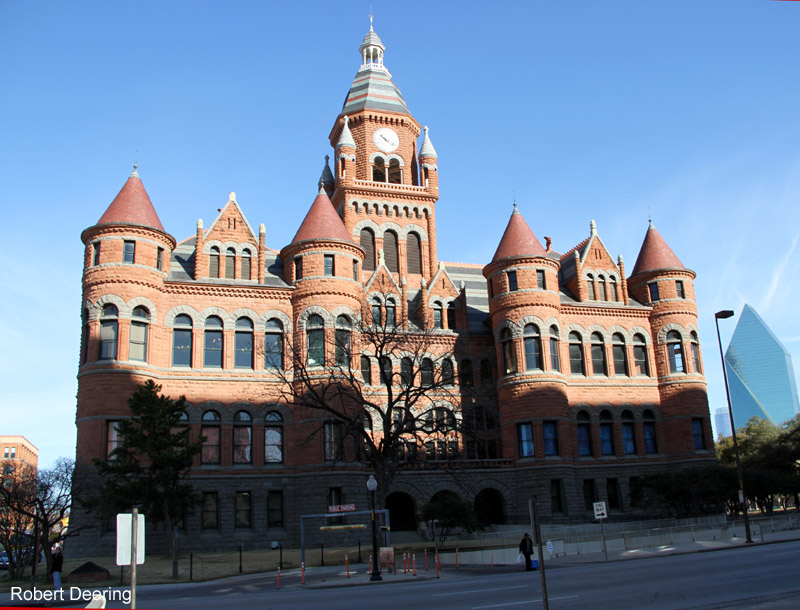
{"type": "Point", "coordinates": [385, 208]}
{"type": "Point", "coordinates": [124, 309]}
{"type": "Point", "coordinates": [684, 331]}
{"type": "Point", "coordinates": [380, 229]}
{"type": "Point", "coordinates": [239, 248]}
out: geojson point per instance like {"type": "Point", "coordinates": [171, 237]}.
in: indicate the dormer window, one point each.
{"type": "Point", "coordinates": [590, 287]}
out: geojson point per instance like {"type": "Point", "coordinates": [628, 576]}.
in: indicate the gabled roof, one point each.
{"type": "Point", "coordinates": [655, 254]}
{"type": "Point", "coordinates": [518, 239]}
{"type": "Point", "coordinates": [132, 206]}
{"type": "Point", "coordinates": [322, 222]}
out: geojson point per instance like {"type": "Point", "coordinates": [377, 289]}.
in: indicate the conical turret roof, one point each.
{"type": "Point", "coordinates": [132, 206]}
{"type": "Point", "coordinates": [655, 254]}
{"type": "Point", "coordinates": [427, 149]}
{"type": "Point", "coordinates": [518, 239]}
{"type": "Point", "coordinates": [322, 222]}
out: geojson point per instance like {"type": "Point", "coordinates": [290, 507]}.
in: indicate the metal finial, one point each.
{"type": "Point", "coordinates": [370, 18]}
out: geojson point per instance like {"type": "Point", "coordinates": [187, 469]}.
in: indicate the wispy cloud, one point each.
{"type": "Point", "coordinates": [777, 276]}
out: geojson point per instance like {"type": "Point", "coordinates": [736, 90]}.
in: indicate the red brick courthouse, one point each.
{"type": "Point", "coordinates": [580, 376]}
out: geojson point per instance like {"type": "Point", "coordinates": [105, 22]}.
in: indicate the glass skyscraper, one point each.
{"type": "Point", "coordinates": [760, 373]}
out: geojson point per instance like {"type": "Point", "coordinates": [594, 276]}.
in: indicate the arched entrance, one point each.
{"type": "Point", "coordinates": [402, 512]}
{"type": "Point", "coordinates": [489, 507]}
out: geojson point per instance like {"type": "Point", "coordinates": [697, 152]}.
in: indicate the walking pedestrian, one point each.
{"type": "Point", "coordinates": [526, 548]}
{"type": "Point", "coordinates": [55, 569]}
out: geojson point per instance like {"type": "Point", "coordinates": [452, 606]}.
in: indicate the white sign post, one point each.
{"type": "Point", "coordinates": [600, 514]}
{"type": "Point", "coordinates": [130, 545]}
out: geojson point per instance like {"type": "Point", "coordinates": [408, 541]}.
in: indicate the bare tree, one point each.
{"type": "Point", "coordinates": [390, 388]}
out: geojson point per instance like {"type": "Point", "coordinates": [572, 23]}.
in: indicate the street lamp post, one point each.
{"type": "Point", "coordinates": [723, 315]}
{"type": "Point", "coordinates": [372, 485]}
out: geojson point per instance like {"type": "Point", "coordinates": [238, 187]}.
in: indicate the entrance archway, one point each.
{"type": "Point", "coordinates": [402, 511]}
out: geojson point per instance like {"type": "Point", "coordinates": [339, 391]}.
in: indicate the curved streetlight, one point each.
{"type": "Point", "coordinates": [723, 315]}
{"type": "Point", "coordinates": [372, 485]}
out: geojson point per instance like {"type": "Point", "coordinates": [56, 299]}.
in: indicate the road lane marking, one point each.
{"type": "Point", "coordinates": [480, 591]}
{"type": "Point", "coordinates": [527, 601]}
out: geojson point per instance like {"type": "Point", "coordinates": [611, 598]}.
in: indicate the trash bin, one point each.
{"type": "Point", "coordinates": [534, 564]}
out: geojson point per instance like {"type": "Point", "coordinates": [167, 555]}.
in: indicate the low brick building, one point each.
{"type": "Point", "coordinates": [578, 377]}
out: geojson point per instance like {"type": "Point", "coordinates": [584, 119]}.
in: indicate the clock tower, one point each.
{"type": "Point", "coordinates": [386, 187]}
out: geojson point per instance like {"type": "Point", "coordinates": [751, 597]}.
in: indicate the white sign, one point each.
{"type": "Point", "coordinates": [124, 539]}
{"type": "Point", "coordinates": [549, 546]}
{"type": "Point", "coordinates": [600, 510]}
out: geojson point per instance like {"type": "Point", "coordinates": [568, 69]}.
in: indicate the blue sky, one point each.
{"type": "Point", "coordinates": [683, 110]}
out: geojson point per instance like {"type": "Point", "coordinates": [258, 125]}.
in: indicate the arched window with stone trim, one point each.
{"type": "Point", "coordinates": [426, 372]}
{"type": "Point", "coordinates": [406, 372]}
{"type": "Point", "coordinates": [695, 346]}
{"type": "Point", "coordinates": [212, 343]}
{"type": "Point", "coordinates": [140, 323]}
{"type": "Point", "coordinates": [590, 287]}
{"type": "Point", "coordinates": [342, 351]}
{"type": "Point", "coordinates": [243, 344]}
{"type": "Point", "coordinates": [576, 363]}
{"type": "Point", "coordinates": [246, 264]}
{"type": "Point", "coordinates": [532, 340]}
{"type": "Point", "coordinates": [640, 364]}
{"type": "Point", "coordinates": [601, 286]}
{"type": "Point", "coordinates": [379, 169]}
{"type": "Point", "coordinates": [447, 372]}
{"type": "Point", "coordinates": [213, 262]}
{"type": "Point", "coordinates": [620, 351]}
{"type": "Point", "coordinates": [273, 438]}
{"type": "Point", "coordinates": [465, 370]}
{"type": "Point", "coordinates": [210, 429]}
{"type": "Point", "coordinates": [413, 253]}
{"type": "Point", "coordinates": [649, 430]}
{"type": "Point", "coordinates": [451, 316]}
{"type": "Point", "coordinates": [599, 366]}
{"type": "Point", "coordinates": [385, 366]}
{"type": "Point", "coordinates": [390, 251]}
{"type": "Point", "coordinates": [555, 359]}
{"type": "Point", "coordinates": [675, 352]}
{"type": "Point", "coordinates": [366, 370]}
{"type": "Point", "coordinates": [509, 354]}
{"type": "Point", "coordinates": [612, 284]}
{"type": "Point", "coordinates": [584, 433]}
{"type": "Point", "coordinates": [437, 314]}
{"type": "Point", "coordinates": [606, 433]}
{"type": "Point", "coordinates": [391, 313]}
{"type": "Point", "coordinates": [395, 172]}
{"type": "Point", "coordinates": [182, 340]}
{"type": "Point", "coordinates": [628, 435]}
{"type": "Point", "coordinates": [230, 264]}
{"type": "Point", "coordinates": [315, 340]}
{"type": "Point", "coordinates": [242, 438]}
{"type": "Point", "coordinates": [367, 242]}
{"type": "Point", "coordinates": [109, 332]}
{"type": "Point", "coordinates": [273, 344]}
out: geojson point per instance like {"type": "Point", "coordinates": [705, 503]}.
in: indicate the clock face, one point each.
{"type": "Point", "coordinates": [386, 139]}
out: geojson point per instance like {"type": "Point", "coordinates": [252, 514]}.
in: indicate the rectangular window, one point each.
{"type": "Point", "coordinates": [697, 434]}
{"type": "Point", "coordinates": [540, 280]}
{"type": "Point", "coordinates": [606, 439]}
{"type": "Point", "coordinates": [650, 445]}
{"type": "Point", "coordinates": [243, 350]}
{"type": "Point", "coordinates": [576, 358]}
{"type": "Point", "coordinates": [555, 362]}
{"type": "Point", "coordinates": [129, 252]}
{"type": "Point", "coordinates": [512, 281]}
{"type": "Point", "coordinates": [329, 265]}
{"type": "Point", "coordinates": [333, 441]}
{"type": "Point", "coordinates": [5, 453]}
{"type": "Point", "coordinates": [525, 437]}
{"type": "Point", "coordinates": [275, 508]}
{"type": "Point", "coordinates": [628, 440]}
{"type": "Point", "coordinates": [550, 432]}
{"type": "Point", "coordinates": [653, 292]}
{"type": "Point", "coordinates": [181, 347]}
{"type": "Point", "coordinates": [13, 453]}
{"type": "Point", "coordinates": [96, 258]}
{"type": "Point", "coordinates": [112, 438]}
{"type": "Point", "coordinates": [556, 504]}
{"type": "Point", "coordinates": [212, 352]}
{"type": "Point", "coordinates": [242, 444]}
{"type": "Point", "coordinates": [612, 493]}
{"type": "Point", "coordinates": [679, 289]}
{"type": "Point", "coordinates": [298, 268]}
{"type": "Point", "coordinates": [588, 494]}
{"type": "Point", "coordinates": [584, 440]}
{"type": "Point", "coordinates": [243, 514]}
{"type": "Point", "coordinates": [355, 270]}
{"type": "Point", "coordinates": [640, 360]}
{"type": "Point", "coordinates": [108, 339]}
{"type": "Point", "coordinates": [210, 510]}
{"type": "Point", "coordinates": [209, 453]}
{"type": "Point", "coordinates": [160, 259]}
{"type": "Point", "coordinates": [619, 360]}
{"type": "Point", "coordinates": [138, 347]}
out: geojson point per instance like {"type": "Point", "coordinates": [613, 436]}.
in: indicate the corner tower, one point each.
{"type": "Point", "coordinates": [379, 193]}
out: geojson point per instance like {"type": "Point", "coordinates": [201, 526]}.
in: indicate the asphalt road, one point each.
{"type": "Point", "coordinates": [763, 576]}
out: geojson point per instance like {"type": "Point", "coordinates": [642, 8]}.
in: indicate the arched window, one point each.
{"type": "Point", "coordinates": [640, 356]}
{"type": "Point", "coordinates": [406, 372]}
{"type": "Point", "coordinates": [390, 250]}
{"type": "Point", "coordinates": [182, 341]}
{"type": "Point", "coordinates": [84, 335]}
{"type": "Point", "coordinates": [342, 351]}
{"type": "Point", "coordinates": [598, 355]}
{"type": "Point", "coordinates": [555, 360]}
{"type": "Point", "coordinates": [466, 374]}
{"type": "Point", "coordinates": [273, 344]}
{"type": "Point", "coordinates": [533, 348]}
{"type": "Point", "coordinates": [245, 271]}
{"type": "Point", "coordinates": [613, 285]}
{"type": "Point", "coordinates": [437, 315]}
{"type": "Point", "coordinates": [377, 319]}
{"type": "Point", "coordinates": [242, 438]}
{"type": "Point", "coordinates": [315, 340]}
{"type": "Point", "coordinates": [601, 280]}
{"type": "Point", "coordinates": [509, 355]}
{"type": "Point", "coordinates": [426, 372]}
{"type": "Point", "coordinates": [576, 365]}
{"type": "Point", "coordinates": [366, 370]}
{"type": "Point", "coordinates": [243, 344]}
{"type": "Point", "coordinates": [451, 316]}
{"type": "Point", "coordinates": [628, 436]}
{"type": "Point", "coordinates": [395, 172]}
{"type": "Point", "coordinates": [138, 340]}
{"type": "Point", "coordinates": [209, 428]}
{"type": "Point", "coordinates": [620, 354]}
{"type": "Point", "coordinates": [606, 433]}
{"type": "Point", "coordinates": [386, 370]}
{"type": "Point", "coordinates": [212, 344]}
{"type": "Point", "coordinates": [649, 429]}
{"type": "Point", "coordinates": [366, 420]}
{"type": "Point", "coordinates": [675, 352]}
{"type": "Point", "coordinates": [273, 438]}
{"type": "Point", "coordinates": [230, 263]}
{"type": "Point", "coordinates": [379, 170]}
{"type": "Point", "coordinates": [367, 241]}
{"type": "Point", "coordinates": [391, 314]}
{"type": "Point", "coordinates": [584, 432]}
{"type": "Point", "coordinates": [213, 262]}
{"type": "Point", "coordinates": [695, 345]}
{"type": "Point", "coordinates": [590, 287]}
{"type": "Point", "coordinates": [413, 253]}
{"type": "Point", "coordinates": [486, 373]}
{"type": "Point", "coordinates": [447, 372]}
{"type": "Point", "coordinates": [109, 331]}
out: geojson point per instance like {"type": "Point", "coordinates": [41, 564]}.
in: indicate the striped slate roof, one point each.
{"type": "Point", "coordinates": [373, 88]}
